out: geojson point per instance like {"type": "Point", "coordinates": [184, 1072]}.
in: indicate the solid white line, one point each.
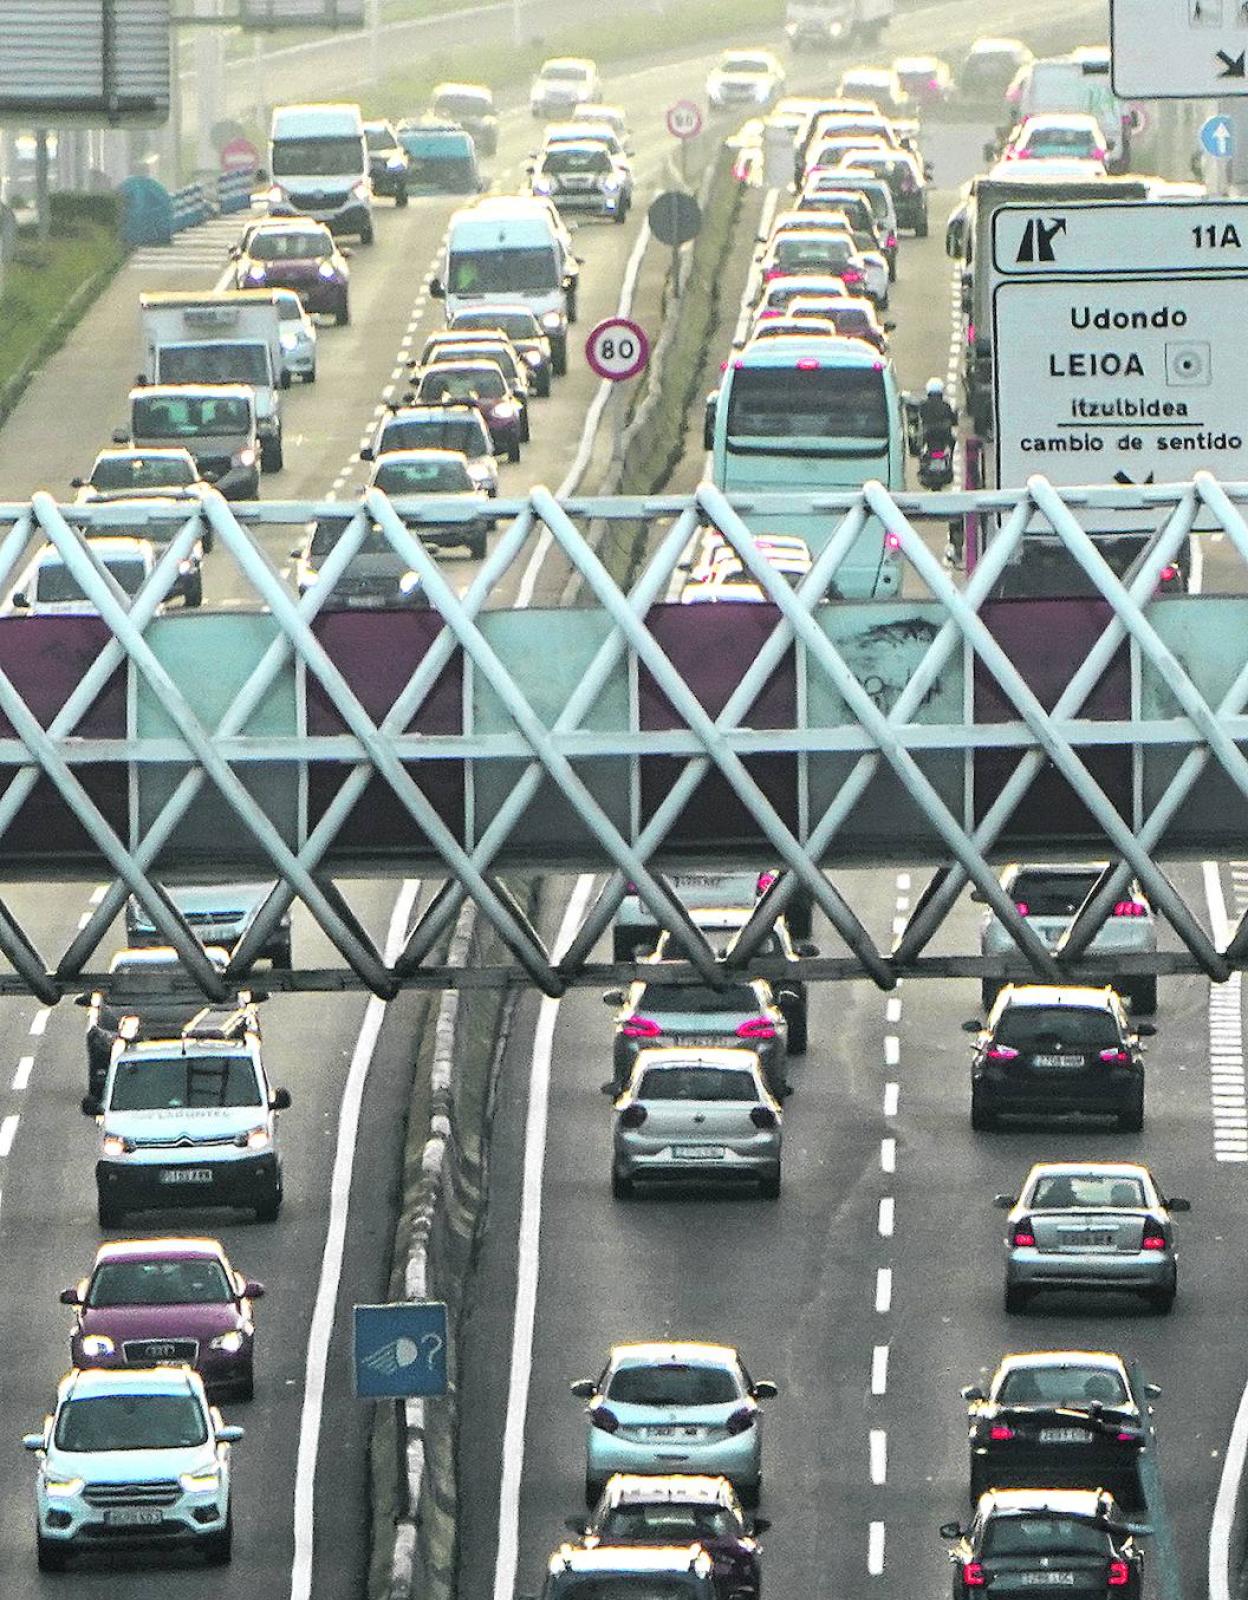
{"type": "Point", "coordinates": [888, 1213]}
{"type": "Point", "coordinates": [1219, 926]}
{"type": "Point", "coordinates": [888, 1155]}
{"type": "Point", "coordinates": [529, 1248]}
{"type": "Point", "coordinates": [332, 1256]}
{"type": "Point", "coordinates": [892, 1092]}
{"type": "Point", "coordinates": [883, 1289]}
{"type": "Point", "coordinates": [24, 1069]}
{"type": "Point", "coordinates": [879, 1369]}
{"type": "Point", "coordinates": [875, 1550]}
{"type": "Point", "coordinates": [8, 1132]}
{"type": "Point", "coordinates": [879, 1455]}
{"type": "Point", "coordinates": [1225, 1505]}
{"type": "Point", "coordinates": [892, 1050]}
{"type": "Point", "coordinates": [892, 1009]}
{"type": "Point", "coordinates": [40, 1020]}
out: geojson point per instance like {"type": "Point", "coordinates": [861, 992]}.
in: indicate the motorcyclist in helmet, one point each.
{"type": "Point", "coordinates": [937, 418]}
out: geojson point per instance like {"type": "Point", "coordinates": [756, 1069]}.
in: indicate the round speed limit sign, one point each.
{"type": "Point", "coordinates": [684, 120]}
{"type": "Point", "coordinates": [617, 348]}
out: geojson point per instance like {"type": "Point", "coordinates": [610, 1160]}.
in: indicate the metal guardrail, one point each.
{"type": "Point", "coordinates": [191, 205]}
{"type": "Point", "coordinates": [234, 191]}
{"type": "Point", "coordinates": [627, 736]}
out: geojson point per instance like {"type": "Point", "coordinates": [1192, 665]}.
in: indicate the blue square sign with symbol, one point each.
{"type": "Point", "coordinates": [400, 1350]}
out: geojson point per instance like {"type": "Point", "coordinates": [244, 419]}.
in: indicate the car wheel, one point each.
{"type": "Point", "coordinates": [769, 1187]}
{"type": "Point", "coordinates": [50, 1554]}
{"type": "Point", "coordinates": [525, 434]}
{"type": "Point", "coordinates": [1016, 1298]}
{"type": "Point", "coordinates": [982, 1119]}
{"type": "Point", "coordinates": [245, 1388]}
{"type": "Point", "coordinates": [543, 384]}
{"type": "Point", "coordinates": [342, 314]}
{"type": "Point", "coordinates": [271, 457]}
{"type": "Point", "coordinates": [110, 1214]}
{"type": "Point", "coordinates": [892, 270]}
{"type": "Point", "coordinates": [282, 957]}
{"type": "Point", "coordinates": [988, 992]}
{"type": "Point", "coordinates": [477, 547]}
{"type": "Point", "coordinates": [572, 307]}
{"type": "Point", "coordinates": [559, 357]}
{"type": "Point", "coordinates": [400, 196]}
{"type": "Point", "coordinates": [1143, 993]}
{"type": "Point", "coordinates": [798, 1033]}
{"type": "Point", "coordinates": [366, 234]}
{"type": "Point", "coordinates": [920, 228]}
{"type": "Point", "coordinates": [1131, 1117]}
{"type": "Point", "coordinates": [310, 375]}
{"type": "Point", "coordinates": [194, 593]}
{"type": "Point", "coordinates": [268, 1208]}
{"type": "Point", "coordinates": [593, 1492]}
{"type": "Point", "coordinates": [513, 451]}
{"type": "Point", "coordinates": [218, 1548]}
{"type": "Point", "coordinates": [620, 215]}
{"type": "Point", "coordinates": [622, 1186]}
{"type": "Point", "coordinates": [979, 1481]}
{"type": "Point", "coordinates": [1160, 1300]}
{"type": "Point", "coordinates": [751, 1493]}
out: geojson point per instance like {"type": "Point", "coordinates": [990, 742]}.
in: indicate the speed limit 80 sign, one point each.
{"type": "Point", "coordinates": [617, 348]}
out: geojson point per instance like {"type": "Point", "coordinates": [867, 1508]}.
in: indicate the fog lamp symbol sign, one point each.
{"type": "Point", "coordinates": [1189, 364]}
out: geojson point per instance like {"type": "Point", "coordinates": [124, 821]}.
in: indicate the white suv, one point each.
{"type": "Point", "coordinates": [189, 1122]}
{"type": "Point", "coordinates": [562, 84]}
{"type": "Point", "coordinates": [135, 1456]}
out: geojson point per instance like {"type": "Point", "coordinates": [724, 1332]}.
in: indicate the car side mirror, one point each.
{"type": "Point", "coordinates": [1004, 1202]}
{"type": "Point", "coordinates": [1146, 1030]}
{"type": "Point", "coordinates": [92, 1105]}
{"type": "Point", "coordinates": [576, 1525]}
{"type": "Point", "coordinates": [583, 1388]}
{"type": "Point", "coordinates": [889, 326]}
{"type": "Point", "coordinates": [32, 1441]}
{"type": "Point", "coordinates": [120, 436]}
{"type": "Point", "coordinates": [296, 551]}
{"type": "Point", "coordinates": [230, 1434]}
{"type": "Point", "coordinates": [437, 289]}
{"type": "Point", "coordinates": [990, 150]}
{"type": "Point", "coordinates": [69, 1297]}
{"type": "Point", "coordinates": [760, 1524]}
{"type": "Point", "coordinates": [234, 252]}
{"type": "Point", "coordinates": [1152, 1390]}
{"type": "Point", "coordinates": [784, 1091]}
{"type": "Point", "coordinates": [1175, 1204]}
{"type": "Point", "coordinates": [20, 600]}
{"type": "Point", "coordinates": [927, 171]}
{"type": "Point", "coordinates": [608, 1088]}
{"type": "Point", "coordinates": [977, 895]}
{"type": "Point", "coordinates": [764, 1389]}
{"type": "Point", "coordinates": [950, 1530]}
{"type": "Point", "coordinates": [971, 1025]}
{"type": "Point", "coordinates": [254, 997]}
{"type": "Point", "coordinates": [253, 1290]}
{"type": "Point", "coordinates": [805, 948]}
{"type": "Point", "coordinates": [367, 453]}
{"type": "Point", "coordinates": [83, 999]}
{"type": "Point", "coordinates": [77, 483]}
{"type": "Point", "coordinates": [261, 175]}
{"type": "Point", "coordinates": [613, 997]}
{"type": "Point", "coordinates": [528, 166]}
{"type": "Point", "coordinates": [972, 1392]}
{"type": "Point", "coordinates": [210, 476]}
{"type": "Point", "coordinates": [345, 252]}
{"type": "Point", "coordinates": [280, 1099]}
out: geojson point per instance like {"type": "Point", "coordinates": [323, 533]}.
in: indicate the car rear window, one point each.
{"type": "Point", "coordinates": [627, 1586]}
{"type": "Point", "coordinates": [662, 1522]}
{"type": "Point", "coordinates": [698, 997]}
{"type": "Point", "coordinates": [1091, 1190]}
{"type": "Point", "coordinates": [697, 1083]}
{"type": "Point", "coordinates": [1062, 1386]}
{"type": "Point", "coordinates": [675, 1385]}
{"type": "Point", "coordinates": [1035, 1027]}
{"type": "Point", "coordinates": [1040, 1535]}
{"type": "Point", "coordinates": [1052, 895]}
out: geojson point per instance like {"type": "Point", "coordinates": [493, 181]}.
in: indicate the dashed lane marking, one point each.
{"type": "Point", "coordinates": [883, 1289]}
{"type": "Point", "coordinates": [8, 1132]}
{"type": "Point", "coordinates": [40, 1020]}
{"type": "Point", "coordinates": [888, 1155]}
{"type": "Point", "coordinates": [892, 1093]}
{"type": "Point", "coordinates": [875, 1549]}
{"type": "Point", "coordinates": [887, 1217]}
{"type": "Point", "coordinates": [24, 1069]}
{"type": "Point", "coordinates": [879, 1455]}
{"type": "Point", "coordinates": [879, 1369]}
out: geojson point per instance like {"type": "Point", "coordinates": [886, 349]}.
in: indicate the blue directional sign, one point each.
{"type": "Point", "coordinates": [1217, 137]}
{"type": "Point", "coordinates": [400, 1350]}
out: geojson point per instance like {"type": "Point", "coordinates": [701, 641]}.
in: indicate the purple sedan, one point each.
{"type": "Point", "coordinates": [302, 256]}
{"type": "Point", "coordinates": [165, 1302]}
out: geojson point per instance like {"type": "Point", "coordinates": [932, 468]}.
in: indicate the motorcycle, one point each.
{"type": "Point", "coordinates": [936, 466]}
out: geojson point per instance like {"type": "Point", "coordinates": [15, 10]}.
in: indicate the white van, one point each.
{"type": "Point", "coordinates": [512, 251]}
{"type": "Point", "coordinates": [1078, 82]}
{"type": "Point", "coordinates": [318, 162]}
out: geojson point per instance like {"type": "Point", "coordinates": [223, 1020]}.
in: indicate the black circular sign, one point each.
{"type": "Point", "coordinates": [674, 217]}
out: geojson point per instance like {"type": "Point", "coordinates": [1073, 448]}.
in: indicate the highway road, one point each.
{"type": "Point", "coordinates": [870, 1292]}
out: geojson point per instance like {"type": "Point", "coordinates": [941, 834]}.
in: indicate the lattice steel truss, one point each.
{"type": "Point", "coordinates": [1203, 734]}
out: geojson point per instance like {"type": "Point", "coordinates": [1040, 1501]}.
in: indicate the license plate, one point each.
{"type": "Point", "coordinates": [133, 1516]}
{"type": "Point", "coordinates": [1065, 1436]}
{"type": "Point", "coordinates": [698, 1152]}
{"type": "Point", "coordinates": [675, 1432]}
{"type": "Point", "coordinates": [186, 1175]}
{"type": "Point", "coordinates": [1039, 1579]}
{"type": "Point", "coordinates": [1058, 1061]}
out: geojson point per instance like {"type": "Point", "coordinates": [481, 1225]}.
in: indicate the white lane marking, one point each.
{"type": "Point", "coordinates": [24, 1069]}
{"type": "Point", "coordinates": [888, 1155]}
{"type": "Point", "coordinates": [903, 880]}
{"type": "Point", "coordinates": [332, 1256]}
{"type": "Point", "coordinates": [529, 1248]}
{"type": "Point", "coordinates": [1226, 1505]}
{"type": "Point", "coordinates": [883, 1289]}
{"type": "Point", "coordinates": [879, 1455]}
{"type": "Point", "coordinates": [83, 920]}
{"type": "Point", "coordinates": [98, 893]}
{"type": "Point", "coordinates": [8, 1132]}
{"type": "Point", "coordinates": [1227, 1098]}
{"type": "Point", "coordinates": [879, 1369]}
{"type": "Point", "coordinates": [892, 1049]}
{"type": "Point", "coordinates": [903, 902]}
{"type": "Point", "coordinates": [39, 1021]}
{"type": "Point", "coordinates": [892, 1009]}
{"type": "Point", "coordinates": [888, 1215]}
{"type": "Point", "coordinates": [875, 1549]}
{"type": "Point", "coordinates": [899, 926]}
{"type": "Point", "coordinates": [892, 1092]}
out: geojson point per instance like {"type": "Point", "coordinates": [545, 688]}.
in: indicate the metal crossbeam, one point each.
{"type": "Point", "coordinates": [468, 741]}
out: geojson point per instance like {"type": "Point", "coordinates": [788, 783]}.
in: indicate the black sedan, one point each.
{"type": "Point", "coordinates": [1023, 1540]}
{"type": "Point", "coordinates": [1059, 1419]}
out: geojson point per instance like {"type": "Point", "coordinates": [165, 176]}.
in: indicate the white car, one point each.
{"type": "Point", "coordinates": [744, 78]}
{"type": "Point", "coordinates": [298, 336]}
{"type": "Point", "coordinates": [1060, 136]}
{"type": "Point", "coordinates": [564, 84]}
{"type": "Point", "coordinates": [133, 1456]}
{"type": "Point", "coordinates": [48, 588]}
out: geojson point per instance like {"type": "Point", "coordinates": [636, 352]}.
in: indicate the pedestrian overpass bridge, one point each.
{"type": "Point", "coordinates": [474, 742]}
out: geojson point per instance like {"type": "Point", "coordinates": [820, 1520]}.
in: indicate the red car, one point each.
{"type": "Point", "coordinates": [302, 256]}
{"type": "Point", "coordinates": [156, 1302]}
{"type": "Point", "coordinates": [482, 385]}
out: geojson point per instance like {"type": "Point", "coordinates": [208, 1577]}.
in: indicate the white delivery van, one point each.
{"type": "Point", "coordinates": [512, 251]}
{"type": "Point", "coordinates": [179, 318]}
{"type": "Point", "coordinates": [1078, 82]}
{"type": "Point", "coordinates": [318, 164]}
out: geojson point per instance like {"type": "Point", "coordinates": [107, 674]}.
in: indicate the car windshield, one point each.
{"type": "Point", "coordinates": [460, 104]}
{"type": "Point", "coordinates": [743, 64]}
{"type": "Point", "coordinates": [185, 1082]}
{"type": "Point", "coordinates": [1055, 1027]}
{"type": "Point", "coordinates": [1077, 1386]}
{"type": "Point", "coordinates": [465, 434]}
{"type": "Point", "coordinates": [321, 158]}
{"type": "Point", "coordinates": [422, 477]}
{"type": "Point", "coordinates": [56, 583]}
{"type": "Point", "coordinates": [515, 324]}
{"type": "Point", "coordinates": [290, 245]}
{"type": "Point", "coordinates": [662, 1522]}
{"type": "Point", "coordinates": [131, 1422]}
{"type": "Point", "coordinates": [450, 350]}
{"type": "Point", "coordinates": [142, 472]}
{"type": "Point", "coordinates": [190, 416]}
{"type": "Point", "coordinates": [1061, 141]}
{"type": "Point", "coordinates": [811, 254]}
{"type": "Point", "coordinates": [289, 308]}
{"type": "Point", "coordinates": [158, 1283]}
{"type": "Point", "coordinates": [1040, 1533]}
{"type": "Point", "coordinates": [697, 1083]}
{"type": "Point", "coordinates": [674, 1385]}
{"type": "Point", "coordinates": [329, 530]}
{"type": "Point", "coordinates": [564, 74]}
{"type": "Point", "coordinates": [528, 270]}
{"type": "Point", "coordinates": [828, 403]}
{"type": "Point", "coordinates": [449, 383]}
{"type": "Point", "coordinates": [1090, 1190]}
{"type": "Point", "coordinates": [571, 159]}
{"type": "Point", "coordinates": [698, 997]}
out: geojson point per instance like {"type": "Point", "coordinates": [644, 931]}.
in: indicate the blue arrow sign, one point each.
{"type": "Point", "coordinates": [1217, 137]}
{"type": "Point", "coordinates": [400, 1350]}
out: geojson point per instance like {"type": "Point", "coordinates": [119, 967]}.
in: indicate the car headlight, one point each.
{"type": "Point", "coordinates": [98, 1344]}
{"type": "Point", "coordinates": [62, 1487]}
{"type": "Point", "coordinates": [505, 410]}
{"type": "Point", "coordinates": [245, 457]}
{"type": "Point", "coordinates": [254, 1139]}
{"type": "Point", "coordinates": [115, 1145]}
{"type": "Point", "coordinates": [359, 191]}
{"type": "Point", "coordinates": [256, 274]}
{"type": "Point", "coordinates": [480, 474]}
{"type": "Point", "coordinates": [542, 186]}
{"type": "Point", "coordinates": [533, 357]}
{"type": "Point", "coordinates": [231, 1342]}
{"type": "Point", "coordinates": [186, 568]}
{"type": "Point", "coordinates": [326, 270]}
{"type": "Point", "coordinates": [552, 320]}
{"type": "Point", "coordinates": [610, 185]}
{"type": "Point", "coordinates": [288, 338]}
{"type": "Point", "coordinates": [204, 1482]}
{"type": "Point", "coordinates": [409, 583]}
{"type": "Point", "coordinates": [276, 194]}
{"type": "Point", "coordinates": [395, 164]}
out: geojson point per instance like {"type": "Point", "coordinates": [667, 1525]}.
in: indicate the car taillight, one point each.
{"type": "Point", "coordinates": [740, 1420]}
{"type": "Point", "coordinates": [1024, 1238]}
{"type": "Point", "coordinates": [1115, 1058]}
{"type": "Point", "coordinates": [756, 1028]}
{"type": "Point", "coordinates": [1131, 908]}
{"type": "Point", "coordinates": [1153, 1241]}
{"type": "Point", "coordinates": [973, 1575]}
{"type": "Point", "coordinates": [1000, 1431]}
{"type": "Point", "coordinates": [1169, 573]}
{"type": "Point", "coordinates": [1127, 1436]}
{"type": "Point", "coordinates": [765, 1117]}
{"type": "Point", "coordinates": [892, 541]}
{"type": "Point", "coordinates": [1119, 1573]}
{"type": "Point", "coordinates": [1001, 1052]}
{"type": "Point", "coordinates": [891, 242]}
{"type": "Point", "coordinates": [636, 1027]}
{"type": "Point", "coordinates": [851, 275]}
{"type": "Point", "coordinates": [600, 1417]}
{"type": "Point", "coordinates": [632, 1116]}
{"type": "Point", "coordinates": [1023, 909]}
{"type": "Point", "coordinates": [765, 881]}
{"type": "Point", "coordinates": [773, 272]}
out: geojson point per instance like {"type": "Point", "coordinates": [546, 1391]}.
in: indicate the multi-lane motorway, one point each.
{"type": "Point", "coordinates": [870, 1292]}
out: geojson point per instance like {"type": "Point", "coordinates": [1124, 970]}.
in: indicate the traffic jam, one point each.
{"type": "Point", "coordinates": [831, 138]}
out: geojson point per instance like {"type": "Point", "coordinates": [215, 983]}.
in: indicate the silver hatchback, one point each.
{"type": "Point", "coordinates": [700, 1116]}
{"type": "Point", "coordinates": [1098, 1225]}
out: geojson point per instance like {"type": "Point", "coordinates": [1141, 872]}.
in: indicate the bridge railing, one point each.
{"type": "Point", "coordinates": [625, 736]}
